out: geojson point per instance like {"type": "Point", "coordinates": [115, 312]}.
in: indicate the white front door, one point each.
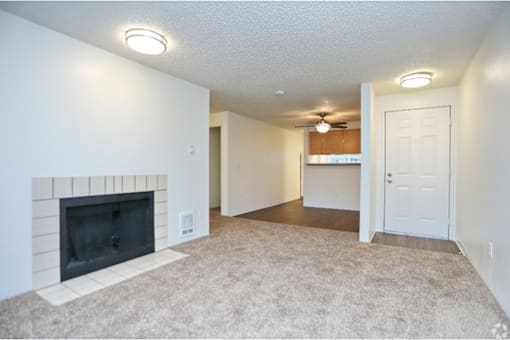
{"type": "Point", "coordinates": [417, 179]}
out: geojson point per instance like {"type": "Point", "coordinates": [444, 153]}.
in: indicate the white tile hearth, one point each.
{"type": "Point", "coordinates": [57, 294]}
{"type": "Point", "coordinates": [83, 285]}
{"type": "Point", "coordinates": [46, 195]}
{"type": "Point", "coordinates": [126, 270]}
{"type": "Point", "coordinates": [106, 277]}
{"type": "Point", "coordinates": [145, 263]}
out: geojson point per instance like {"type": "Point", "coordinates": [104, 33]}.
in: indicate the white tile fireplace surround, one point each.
{"type": "Point", "coordinates": [46, 195]}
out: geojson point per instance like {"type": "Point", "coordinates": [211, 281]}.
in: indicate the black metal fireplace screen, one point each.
{"type": "Point", "coordinates": [100, 231]}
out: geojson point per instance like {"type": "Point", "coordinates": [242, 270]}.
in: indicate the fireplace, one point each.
{"type": "Point", "coordinates": [100, 231]}
{"type": "Point", "coordinates": [49, 194]}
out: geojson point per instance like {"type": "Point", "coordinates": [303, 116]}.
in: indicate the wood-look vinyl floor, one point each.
{"type": "Point", "coordinates": [294, 213]}
{"type": "Point", "coordinates": [412, 242]}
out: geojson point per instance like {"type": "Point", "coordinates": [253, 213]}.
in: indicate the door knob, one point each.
{"type": "Point", "coordinates": [389, 180]}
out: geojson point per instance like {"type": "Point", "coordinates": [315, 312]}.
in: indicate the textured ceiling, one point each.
{"type": "Point", "coordinates": [318, 52]}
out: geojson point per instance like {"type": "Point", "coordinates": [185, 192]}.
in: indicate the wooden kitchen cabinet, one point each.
{"type": "Point", "coordinates": [316, 143]}
{"type": "Point", "coordinates": [352, 141]}
{"type": "Point", "coordinates": [334, 142]}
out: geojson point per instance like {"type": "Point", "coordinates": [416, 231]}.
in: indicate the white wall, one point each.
{"type": "Point", "coordinates": [331, 186]}
{"type": "Point", "coordinates": [214, 167]}
{"type": "Point", "coordinates": [262, 163]}
{"type": "Point", "coordinates": [447, 96]}
{"type": "Point", "coordinates": [369, 162]}
{"type": "Point", "coordinates": [483, 213]}
{"type": "Point", "coordinates": [70, 109]}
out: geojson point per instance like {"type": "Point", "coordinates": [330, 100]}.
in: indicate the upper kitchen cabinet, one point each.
{"type": "Point", "coordinates": [316, 143]}
{"type": "Point", "coordinates": [352, 141]}
{"type": "Point", "coordinates": [335, 142]}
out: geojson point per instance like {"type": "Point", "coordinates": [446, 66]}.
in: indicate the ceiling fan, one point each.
{"type": "Point", "coordinates": [323, 126]}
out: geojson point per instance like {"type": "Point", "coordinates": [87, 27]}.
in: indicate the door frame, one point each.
{"type": "Point", "coordinates": [452, 168]}
{"type": "Point", "coordinates": [222, 122]}
{"type": "Point", "coordinates": [220, 129]}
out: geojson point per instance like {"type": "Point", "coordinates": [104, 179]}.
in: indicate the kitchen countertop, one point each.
{"type": "Point", "coordinates": [343, 159]}
{"type": "Point", "coordinates": [343, 164]}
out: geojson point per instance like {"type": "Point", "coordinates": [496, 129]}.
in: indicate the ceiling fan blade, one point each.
{"type": "Point", "coordinates": [304, 126]}
{"type": "Point", "coordinates": [339, 123]}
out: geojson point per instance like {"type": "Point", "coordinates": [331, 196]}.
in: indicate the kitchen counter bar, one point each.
{"type": "Point", "coordinates": [343, 159]}
{"type": "Point", "coordinates": [342, 164]}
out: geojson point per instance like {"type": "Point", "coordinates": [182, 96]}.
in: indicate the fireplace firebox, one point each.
{"type": "Point", "coordinates": [100, 231]}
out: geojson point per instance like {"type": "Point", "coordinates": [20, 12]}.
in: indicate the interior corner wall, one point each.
{"type": "Point", "coordinates": [70, 109]}
{"type": "Point", "coordinates": [368, 165]}
{"type": "Point", "coordinates": [415, 99]}
{"type": "Point", "coordinates": [331, 186]}
{"type": "Point", "coordinates": [262, 162]}
{"type": "Point", "coordinates": [483, 185]}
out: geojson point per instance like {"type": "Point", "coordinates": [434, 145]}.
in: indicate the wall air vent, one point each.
{"type": "Point", "coordinates": [186, 223]}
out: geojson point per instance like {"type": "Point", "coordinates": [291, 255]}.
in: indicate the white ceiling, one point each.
{"type": "Point", "coordinates": [318, 52]}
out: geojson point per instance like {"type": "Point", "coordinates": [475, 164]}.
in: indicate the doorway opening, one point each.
{"type": "Point", "coordinates": [215, 168]}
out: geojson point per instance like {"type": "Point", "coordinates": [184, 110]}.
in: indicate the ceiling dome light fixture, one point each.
{"type": "Point", "coordinates": [322, 126]}
{"type": "Point", "coordinates": [145, 41]}
{"type": "Point", "coordinates": [415, 80]}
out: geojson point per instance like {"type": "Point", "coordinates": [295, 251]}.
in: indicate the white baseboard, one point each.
{"type": "Point", "coordinates": [461, 248]}
{"type": "Point", "coordinates": [372, 235]}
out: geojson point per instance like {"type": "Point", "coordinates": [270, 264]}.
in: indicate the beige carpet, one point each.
{"type": "Point", "coordinates": [259, 279]}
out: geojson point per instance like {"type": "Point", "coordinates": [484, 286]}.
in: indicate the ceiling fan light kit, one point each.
{"type": "Point", "coordinates": [323, 126]}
